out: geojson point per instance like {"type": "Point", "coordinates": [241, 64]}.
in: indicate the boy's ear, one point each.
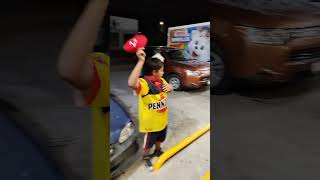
{"type": "Point", "coordinates": [153, 71]}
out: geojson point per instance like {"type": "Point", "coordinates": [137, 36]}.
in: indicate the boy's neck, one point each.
{"type": "Point", "coordinates": [152, 78]}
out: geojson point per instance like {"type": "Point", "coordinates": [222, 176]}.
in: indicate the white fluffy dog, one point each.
{"type": "Point", "coordinates": [199, 46]}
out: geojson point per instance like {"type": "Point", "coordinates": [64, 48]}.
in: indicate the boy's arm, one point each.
{"type": "Point", "coordinates": [73, 64]}
{"type": "Point", "coordinates": [133, 80]}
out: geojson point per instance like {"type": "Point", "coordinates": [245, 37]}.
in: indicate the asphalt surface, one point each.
{"type": "Point", "coordinates": [270, 133]}
{"type": "Point", "coordinates": [188, 112]}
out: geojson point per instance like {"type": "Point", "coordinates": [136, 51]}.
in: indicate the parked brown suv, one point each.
{"type": "Point", "coordinates": [263, 40]}
{"type": "Point", "coordinates": [179, 71]}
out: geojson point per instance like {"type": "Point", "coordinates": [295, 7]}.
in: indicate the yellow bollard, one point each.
{"type": "Point", "coordinates": [168, 154]}
{"type": "Point", "coordinates": [206, 176]}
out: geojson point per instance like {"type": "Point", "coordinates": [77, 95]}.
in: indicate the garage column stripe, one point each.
{"type": "Point", "coordinates": [171, 152]}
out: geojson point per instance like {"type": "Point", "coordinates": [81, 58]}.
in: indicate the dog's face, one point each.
{"type": "Point", "coordinates": [199, 47]}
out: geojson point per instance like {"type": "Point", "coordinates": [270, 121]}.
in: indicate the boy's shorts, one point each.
{"type": "Point", "coordinates": [151, 138]}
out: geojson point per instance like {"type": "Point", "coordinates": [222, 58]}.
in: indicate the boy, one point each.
{"type": "Point", "coordinates": [85, 70]}
{"type": "Point", "coordinates": [88, 73]}
{"type": "Point", "coordinates": [152, 90]}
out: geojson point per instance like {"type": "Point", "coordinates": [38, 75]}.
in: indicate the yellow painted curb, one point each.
{"type": "Point", "coordinates": [168, 154]}
{"type": "Point", "coordinates": [206, 176]}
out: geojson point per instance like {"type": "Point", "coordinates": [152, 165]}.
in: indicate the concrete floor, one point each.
{"type": "Point", "coordinates": [188, 112]}
{"type": "Point", "coordinates": [268, 134]}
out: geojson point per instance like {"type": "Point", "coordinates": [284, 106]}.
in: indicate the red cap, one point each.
{"type": "Point", "coordinates": [133, 44]}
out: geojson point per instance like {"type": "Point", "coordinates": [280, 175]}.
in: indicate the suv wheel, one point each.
{"type": "Point", "coordinates": [219, 78]}
{"type": "Point", "coordinates": [175, 81]}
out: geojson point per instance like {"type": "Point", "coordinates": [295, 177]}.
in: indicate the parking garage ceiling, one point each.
{"type": "Point", "coordinates": [164, 8]}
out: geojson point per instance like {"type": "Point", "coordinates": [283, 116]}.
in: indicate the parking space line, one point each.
{"type": "Point", "coordinates": [172, 151]}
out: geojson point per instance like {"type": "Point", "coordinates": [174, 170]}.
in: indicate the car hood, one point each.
{"type": "Point", "coordinates": [269, 14]}
{"type": "Point", "coordinates": [192, 64]}
{"type": "Point", "coordinates": [118, 119]}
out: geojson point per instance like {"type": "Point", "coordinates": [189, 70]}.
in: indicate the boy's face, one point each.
{"type": "Point", "coordinates": [158, 74]}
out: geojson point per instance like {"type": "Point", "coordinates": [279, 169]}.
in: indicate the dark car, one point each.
{"type": "Point", "coordinates": [22, 157]}
{"type": "Point", "coordinates": [179, 71]}
{"type": "Point", "coordinates": [263, 41]}
{"type": "Point", "coordinates": [124, 138]}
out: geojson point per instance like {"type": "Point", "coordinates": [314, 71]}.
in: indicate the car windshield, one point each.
{"type": "Point", "coordinates": [176, 55]}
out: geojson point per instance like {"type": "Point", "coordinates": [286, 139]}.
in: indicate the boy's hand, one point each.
{"type": "Point", "coordinates": [133, 80]}
{"type": "Point", "coordinates": [141, 54]}
{"type": "Point", "coordinates": [167, 88]}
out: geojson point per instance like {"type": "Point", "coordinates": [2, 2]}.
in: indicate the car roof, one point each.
{"type": "Point", "coordinates": [161, 48]}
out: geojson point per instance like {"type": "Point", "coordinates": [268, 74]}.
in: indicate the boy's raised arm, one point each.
{"type": "Point", "coordinates": [73, 64]}
{"type": "Point", "coordinates": [133, 80]}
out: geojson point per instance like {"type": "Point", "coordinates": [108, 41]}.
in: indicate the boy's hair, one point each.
{"type": "Point", "coordinates": [152, 64]}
